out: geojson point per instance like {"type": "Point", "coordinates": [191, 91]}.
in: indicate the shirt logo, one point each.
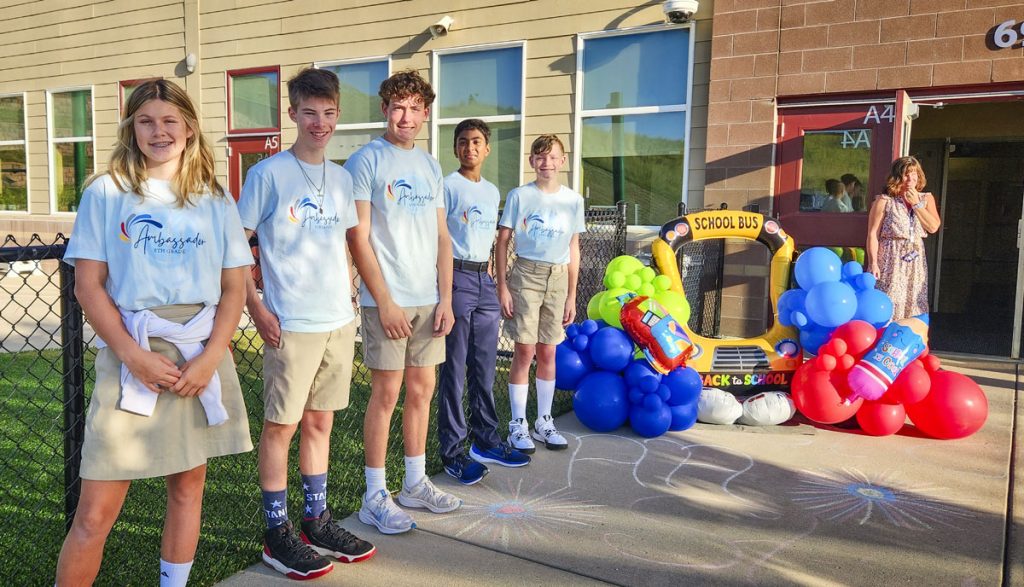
{"type": "Point", "coordinates": [404, 193]}
{"type": "Point", "coordinates": [535, 226]}
{"type": "Point", "coordinates": [138, 230]}
{"type": "Point", "coordinates": [474, 218]}
{"type": "Point", "coordinates": [307, 213]}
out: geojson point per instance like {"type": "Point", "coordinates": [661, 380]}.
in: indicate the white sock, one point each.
{"type": "Point", "coordinates": [174, 574]}
{"type": "Point", "coordinates": [375, 480]}
{"type": "Point", "coordinates": [545, 397]}
{"type": "Point", "coordinates": [415, 470]}
{"type": "Point", "coordinates": [517, 393]}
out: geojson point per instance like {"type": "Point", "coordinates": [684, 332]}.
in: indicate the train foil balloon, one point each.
{"type": "Point", "coordinates": [743, 366]}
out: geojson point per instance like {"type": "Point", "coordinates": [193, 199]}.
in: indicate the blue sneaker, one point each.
{"type": "Point", "coordinates": [503, 455]}
{"type": "Point", "coordinates": [465, 470]}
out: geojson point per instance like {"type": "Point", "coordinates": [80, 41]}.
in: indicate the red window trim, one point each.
{"type": "Point", "coordinates": [276, 69]}
{"type": "Point", "coordinates": [121, 85]}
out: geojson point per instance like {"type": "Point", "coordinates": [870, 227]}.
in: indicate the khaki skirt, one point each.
{"type": "Point", "coordinates": [120, 445]}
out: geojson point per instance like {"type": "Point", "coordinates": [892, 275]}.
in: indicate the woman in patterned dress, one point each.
{"type": "Point", "coordinates": [898, 221]}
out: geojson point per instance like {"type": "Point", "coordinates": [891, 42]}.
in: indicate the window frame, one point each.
{"type": "Point", "coordinates": [579, 114]}
{"type": "Point", "coordinates": [243, 132]}
{"type": "Point", "coordinates": [370, 126]}
{"type": "Point", "coordinates": [51, 141]}
{"type": "Point", "coordinates": [436, 122]}
{"type": "Point", "coordinates": [24, 143]}
{"type": "Point", "coordinates": [121, 85]}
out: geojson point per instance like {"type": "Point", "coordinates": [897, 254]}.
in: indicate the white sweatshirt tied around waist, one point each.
{"type": "Point", "coordinates": [188, 337]}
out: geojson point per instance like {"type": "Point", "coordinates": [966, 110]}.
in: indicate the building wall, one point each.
{"type": "Point", "coordinates": [57, 44]}
{"type": "Point", "coordinates": [765, 49]}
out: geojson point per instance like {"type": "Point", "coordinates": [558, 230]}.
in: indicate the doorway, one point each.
{"type": "Point", "coordinates": [974, 160]}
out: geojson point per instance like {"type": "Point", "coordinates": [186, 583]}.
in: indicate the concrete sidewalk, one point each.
{"type": "Point", "coordinates": [715, 505]}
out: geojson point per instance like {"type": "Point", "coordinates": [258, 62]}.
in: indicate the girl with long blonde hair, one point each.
{"type": "Point", "coordinates": [160, 260]}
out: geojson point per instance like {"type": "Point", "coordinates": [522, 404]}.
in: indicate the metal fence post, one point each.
{"type": "Point", "coordinates": [72, 334]}
{"type": "Point", "coordinates": [620, 228]}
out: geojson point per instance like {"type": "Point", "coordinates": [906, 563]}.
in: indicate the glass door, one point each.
{"type": "Point", "coordinates": [243, 153]}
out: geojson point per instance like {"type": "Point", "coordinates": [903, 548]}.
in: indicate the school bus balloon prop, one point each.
{"type": "Point", "coordinates": [749, 365]}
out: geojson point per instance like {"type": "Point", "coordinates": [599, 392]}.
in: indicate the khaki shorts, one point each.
{"type": "Point", "coordinates": [309, 371]}
{"type": "Point", "coordinates": [422, 349]}
{"type": "Point", "coordinates": [538, 293]}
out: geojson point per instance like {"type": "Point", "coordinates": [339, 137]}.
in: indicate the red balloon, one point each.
{"type": "Point", "coordinates": [819, 394]}
{"type": "Point", "coordinates": [846, 362]}
{"type": "Point", "coordinates": [881, 419]}
{"type": "Point", "coordinates": [955, 407]}
{"type": "Point", "coordinates": [858, 335]}
{"type": "Point", "coordinates": [826, 362]}
{"type": "Point", "coordinates": [931, 363]}
{"type": "Point", "coordinates": [912, 384]}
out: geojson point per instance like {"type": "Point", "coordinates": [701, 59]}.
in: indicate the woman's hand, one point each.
{"type": "Point", "coordinates": [155, 371]}
{"type": "Point", "coordinates": [871, 268]}
{"type": "Point", "coordinates": [196, 375]}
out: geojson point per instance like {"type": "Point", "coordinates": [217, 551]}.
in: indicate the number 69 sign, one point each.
{"type": "Point", "coordinates": [1005, 35]}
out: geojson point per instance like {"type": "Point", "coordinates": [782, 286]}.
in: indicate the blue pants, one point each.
{"type": "Point", "coordinates": [472, 347]}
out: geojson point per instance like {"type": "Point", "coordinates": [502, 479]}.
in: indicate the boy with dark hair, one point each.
{"type": "Point", "coordinates": [404, 256]}
{"type": "Point", "coordinates": [301, 204]}
{"type": "Point", "coordinates": [472, 208]}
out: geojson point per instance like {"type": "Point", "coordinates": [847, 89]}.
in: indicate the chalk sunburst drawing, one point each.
{"type": "Point", "coordinates": [854, 496]}
{"type": "Point", "coordinates": [521, 511]}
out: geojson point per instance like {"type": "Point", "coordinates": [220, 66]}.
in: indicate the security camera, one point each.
{"type": "Point", "coordinates": [679, 11]}
{"type": "Point", "coordinates": [441, 27]}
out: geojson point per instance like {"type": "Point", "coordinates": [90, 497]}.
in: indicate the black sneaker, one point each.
{"type": "Point", "coordinates": [293, 558]}
{"type": "Point", "coordinates": [330, 539]}
{"type": "Point", "coordinates": [465, 469]}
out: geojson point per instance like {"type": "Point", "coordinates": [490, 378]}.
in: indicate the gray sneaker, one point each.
{"type": "Point", "coordinates": [426, 495]}
{"type": "Point", "coordinates": [381, 511]}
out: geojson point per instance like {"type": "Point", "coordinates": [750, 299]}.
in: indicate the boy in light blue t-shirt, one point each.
{"type": "Point", "coordinates": [538, 298]}
{"type": "Point", "coordinates": [404, 256]}
{"type": "Point", "coordinates": [301, 205]}
{"type": "Point", "coordinates": [472, 207]}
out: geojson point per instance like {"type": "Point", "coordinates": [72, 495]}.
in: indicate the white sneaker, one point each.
{"type": "Point", "coordinates": [544, 431]}
{"type": "Point", "coordinates": [380, 511]}
{"type": "Point", "coordinates": [426, 495]}
{"type": "Point", "coordinates": [519, 436]}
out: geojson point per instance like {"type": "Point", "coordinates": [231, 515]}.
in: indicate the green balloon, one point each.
{"type": "Point", "coordinates": [647, 275]}
{"type": "Point", "coordinates": [662, 283]}
{"type": "Point", "coordinates": [675, 304]}
{"type": "Point", "coordinates": [594, 306]}
{"type": "Point", "coordinates": [633, 282]}
{"type": "Point", "coordinates": [610, 307]}
{"type": "Point", "coordinates": [646, 289]}
{"type": "Point", "coordinates": [624, 263]}
{"type": "Point", "coordinates": [614, 279]}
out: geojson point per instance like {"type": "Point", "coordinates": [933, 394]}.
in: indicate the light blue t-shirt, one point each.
{"type": "Point", "coordinates": [472, 213]}
{"type": "Point", "coordinates": [303, 255]}
{"type": "Point", "coordinates": [544, 224]}
{"type": "Point", "coordinates": [403, 187]}
{"type": "Point", "coordinates": [158, 254]}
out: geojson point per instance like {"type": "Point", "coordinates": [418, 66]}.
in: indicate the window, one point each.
{"type": "Point", "coordinates": [13, 164]}
{"type": "Point", "coordinates": [633, 95]}
{"type": "Point", "coordinates": [361, 119]}
{"type": "Point", "coordinates": [484, 83]}
{"type": "Point", "coordinates": [836, 167]}
{"type": "Point", "coordinates": [71, 146]}
{"type": "Point", "coordinates": [254, 100]}
{"type": "Point", "coordinates": [127, 87]}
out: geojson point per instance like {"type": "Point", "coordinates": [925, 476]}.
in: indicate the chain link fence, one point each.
{"type": "Point", "coordinates": [46, 378]}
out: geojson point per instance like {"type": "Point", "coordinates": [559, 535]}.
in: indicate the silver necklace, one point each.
{"type": "Point", "coordinates": [318, 191]}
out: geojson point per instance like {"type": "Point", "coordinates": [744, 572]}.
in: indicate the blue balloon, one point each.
{"type": "Point", "coordinates": [639, 370]}
{"type": "Point", "coordinates": [812, 338]}
{"type": "Point", "coordinates": [817, 265]}
{"type": "Point", "coordinates": [635, 396]}
{"type": "Point", "coordinates": [852, 269]}
{"type": "Point", "coordinates": [789, 302]}
{"type": "Point", "coordinates": [589, 327]}
{"type": "Point", "coordinates": [683, 417]}
{"type": "Point", "coordinates": [650, 423]}
{"type": "Point", "coordinates": [799, 319]}
{"type": "Point", "coordinates": [570, 367]}
{"type": "Point", "coordinates": [873, 306]}
{"type": "Point", "coordinates": [831, 304]}
{"type": "Point", "coordinates": [580, 342]}
{"type": "Point", "coordinates": [611, 349]}
{"type": "Point", "coordinates": [664, 393]}
{"type": "Point", "coordinates": [685, 384]}
{"type": "Point", "coordinates": [649, 385]}
{"type": "Point", "coordinates": [600, 401]}
{"type": "Point", "coordinates": [863, 281]}
{"type": "Point", "coordinates": [652, 402]}
{"type": "Point", "coordinates": [571, 331]}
